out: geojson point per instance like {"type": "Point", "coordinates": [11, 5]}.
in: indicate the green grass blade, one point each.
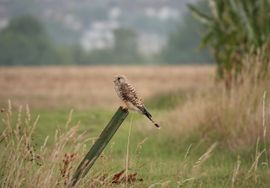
{"type": "Point", "coordinates": [100, 144]}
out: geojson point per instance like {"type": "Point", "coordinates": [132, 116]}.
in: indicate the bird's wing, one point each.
{"type": "Point", "coordinates": [129, 94]}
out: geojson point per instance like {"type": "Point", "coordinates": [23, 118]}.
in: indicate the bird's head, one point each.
{"type": "Point", "coordinates": [119, 79]}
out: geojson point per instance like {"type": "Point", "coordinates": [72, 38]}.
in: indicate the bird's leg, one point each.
{"type": "Point", "coordinates": [125, 105]}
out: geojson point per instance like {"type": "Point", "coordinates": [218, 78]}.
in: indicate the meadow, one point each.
{"type": "Point", "coordinates": [50, 117]}
{"type": "Point", "coordinates": [92, 87]}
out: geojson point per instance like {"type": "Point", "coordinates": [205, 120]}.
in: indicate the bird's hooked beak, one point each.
{"type": "Point", "coordinates": [115, 80]}
{"type": "Point", "coordinates": [119, 79]}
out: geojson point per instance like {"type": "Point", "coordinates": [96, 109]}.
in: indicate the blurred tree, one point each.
{"type": "Point", "coordinates": [125, 40]}
{"type": "Point", "coordinates": [18, 8]}
{"type": "Point", "coordinates": [125, 48]}
{"type": "Point", "coordinates": [25, 42]}
{"type": "Point", "coordinates": [183, 43]}
{"type": "Point", "coordinates": [124, 51]}
{"type": "Point", "coordinates": [80, 56]}
{"type": "Point", "coordinates": [236, 28]}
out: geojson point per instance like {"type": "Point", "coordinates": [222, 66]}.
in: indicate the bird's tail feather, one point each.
{"type": "Point", "coordinates": [148, 115]}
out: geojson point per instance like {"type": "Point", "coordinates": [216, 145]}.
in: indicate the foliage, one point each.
{"type": "Point", "coordinates": [18, 8]}
{"type": "Point", "coordinates": [237, 121]}
{"type": "Point", "coordinates": [183, 43]}
{"type": "Point", "coordinates": [124, 51]}
{"type": "Point", "coordinates": [235, 28]}
{"type": "Point", "coordinates": [25, 42]}
{"type": "Point", "coordinates": [126, 45]}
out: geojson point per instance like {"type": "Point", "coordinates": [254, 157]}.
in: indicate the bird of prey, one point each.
{"type": "Point", "coordinates": [128, 95]}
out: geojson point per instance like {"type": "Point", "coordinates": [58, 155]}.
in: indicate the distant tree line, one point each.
{"type": "Point", "coordinates": [25, 41]}
{"type": "Point", "coordinates": [124, 51]}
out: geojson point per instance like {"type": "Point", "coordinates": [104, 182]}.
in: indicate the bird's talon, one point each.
{"type": "Point", "coordinates": [124, 108]}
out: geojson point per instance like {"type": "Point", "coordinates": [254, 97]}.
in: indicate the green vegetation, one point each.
{"type": "Point", "coordinates": [155, 157]}
{"type": "Point", "coordinates": [124, 51]}
{"type": "Point", "coordinates": [183, 43]}
{"type": "Point", "coordinates": [232, 30]}
{"type": "Point", "coordinates": [236, 29]}
{"type": "Point", "coordinates": [25, 42]}
{"type": "Point", "coordinates": [207, 139]}
{"type": "Point", "coordinates": [19, 47]}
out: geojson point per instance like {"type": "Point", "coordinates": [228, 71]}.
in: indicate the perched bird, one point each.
{"type": "Point", "coordinates": [128, 95]}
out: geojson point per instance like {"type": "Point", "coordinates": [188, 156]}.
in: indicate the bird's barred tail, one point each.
{"type": "Point", "coordinates": [148, 115]}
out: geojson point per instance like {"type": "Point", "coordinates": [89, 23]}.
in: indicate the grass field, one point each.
{"type": "Point", "coordinates": [208, 138]}
{"type": "Point", "coordinates": [91, 87]}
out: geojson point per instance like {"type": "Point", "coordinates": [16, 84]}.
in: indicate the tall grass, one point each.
{"type": "Point", "coordinates": [25, 165]}
{"type": "Point", "coordinates": [235, 119]}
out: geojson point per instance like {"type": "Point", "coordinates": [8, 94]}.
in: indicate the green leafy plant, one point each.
{"type": "Point", "coordinates": [236, 28]}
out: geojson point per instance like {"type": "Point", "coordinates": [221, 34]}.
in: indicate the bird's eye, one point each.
{"type": "Point", "coordinates": [118, 78]}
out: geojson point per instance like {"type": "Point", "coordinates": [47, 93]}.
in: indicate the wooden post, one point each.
{"type": "Point", "coordinates": [99, 145]}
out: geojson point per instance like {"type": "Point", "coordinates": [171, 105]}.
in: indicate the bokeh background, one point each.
{"type": "Point", "coordinates": [87, 32]}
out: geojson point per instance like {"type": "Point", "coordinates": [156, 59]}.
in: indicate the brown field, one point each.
{"type": "Point", "coordinates": [86, 87]}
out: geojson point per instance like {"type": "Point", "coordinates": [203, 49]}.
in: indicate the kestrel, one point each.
{"type": "Point", "coordinates": [128, 95]}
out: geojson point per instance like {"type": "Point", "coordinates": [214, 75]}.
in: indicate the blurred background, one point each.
{"type": "Point", "coordinates": [86, 32]}
{"type": "Point", "coordinates": [60, 35]}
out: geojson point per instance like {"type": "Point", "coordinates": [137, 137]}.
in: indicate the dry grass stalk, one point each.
{"type": "Point", "coordinates": [233, 120]}
{"type": "Point", "coordinates": [24, 164]}
{"type": "Point", "coordinates": [203, 158]}
{"type": "Point", "coordinates": [264, 129]}
{"type": "Point", "coordinates": [252, 172]}
{"type": "Point", "coordinates": [127, 153]}
{"type": "Point", "coordinates": [235, 172]}
{"type": "Point", "coordinates": [184, 172]}
{"type": "Point", "coordinates": [66, 167]}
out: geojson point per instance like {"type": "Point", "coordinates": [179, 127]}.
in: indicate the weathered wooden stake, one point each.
{"type": "Point", "coordinates": [99, 145]}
